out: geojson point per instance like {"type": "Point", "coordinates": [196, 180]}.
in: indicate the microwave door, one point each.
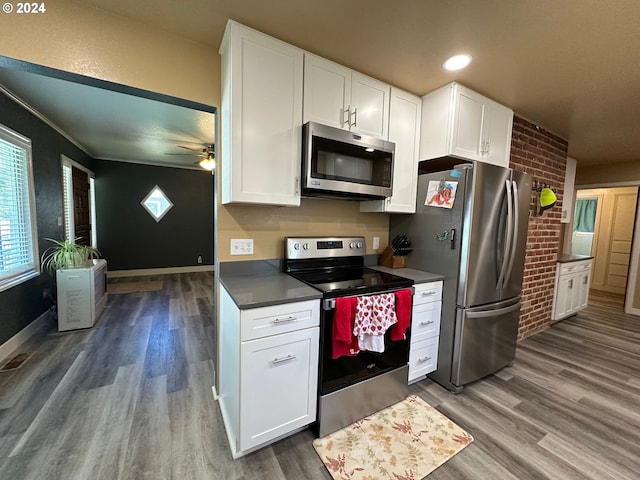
{"type": "Point", "coordinates": [346, 165]}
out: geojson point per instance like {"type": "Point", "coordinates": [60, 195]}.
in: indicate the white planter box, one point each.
{"type": "Point", "coordinates": [82, 295]}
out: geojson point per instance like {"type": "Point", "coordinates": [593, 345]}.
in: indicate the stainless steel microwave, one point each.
{"type": "Point", "coordinates": [343, 164]}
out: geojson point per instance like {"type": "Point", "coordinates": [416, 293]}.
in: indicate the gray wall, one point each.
{"type": "Point", "coordinates": [127, 235]}
{"type": "Point", "coordinates": [22, 304]}
{"type": "Point", "coordinates": [129, 238]}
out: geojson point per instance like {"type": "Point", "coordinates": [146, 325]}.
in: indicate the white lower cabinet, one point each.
{"type": "Point", "coordinates": [423, 358]}
{"type": "Point", "coordinates": [425, 330]}
{"type": "Point", "coordinates": [571, 288]}
{"type": "Point", "coordinates": [268, 371]}
{"type": "Point", "coordinates": [278, 385]}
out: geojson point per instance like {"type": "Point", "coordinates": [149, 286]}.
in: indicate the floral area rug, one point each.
{"type": "Point", "coordinates": [405, 441]}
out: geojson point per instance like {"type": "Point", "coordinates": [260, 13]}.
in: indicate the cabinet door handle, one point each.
{"type": "Point", "coordinates": [355, 116]}
{"type": "Point", "coordinates": [297, 185]}
{"type": "Point", "coordinates": [347, 111]}
{"type": "Point", "coordinates": [571, 283]}
{"type": "Point", "coordinates": [585, 280]}
{"type": "Point", "coordinates": [430, 322]}
{"type": "Point", "coordinates": [277, 360]}
{"type": "Point", "coordinates": [284, 320]}
{"type": "Point", "coordinates": [430, 292]}
{"type": "Point", "coordinates": [424, 359]}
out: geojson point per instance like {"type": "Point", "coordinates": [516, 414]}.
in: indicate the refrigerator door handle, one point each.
{"type": "Point", "coordinates": [514, 240]}
{"type": "Point", "coordinates": [492, 313]}
{"type": "Point", "coordinates": [507, 246]}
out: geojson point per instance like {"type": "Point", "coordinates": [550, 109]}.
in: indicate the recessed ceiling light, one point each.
{"type": "Point", "coordinates": [457, 62]}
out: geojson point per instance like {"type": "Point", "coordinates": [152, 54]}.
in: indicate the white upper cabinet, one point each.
{"type": "Point", "coordinates": [261, 118]}
{"type": "Point", "coordinates": [459, 122]}
{"type": "Point", "coordinates": [370, 106]}
{"type": "Point", "coordinates": [337, 96]}
{"type": "Point", "coordinates": [327, 92]}
{"type": "Point", "coordinates": [404, 131]}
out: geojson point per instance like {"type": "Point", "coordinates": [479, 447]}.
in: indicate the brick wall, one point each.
{"type": "Point", "coordinates": [543, 155]}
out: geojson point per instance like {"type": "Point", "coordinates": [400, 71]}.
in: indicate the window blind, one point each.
{"type": "Point", "coordinates": [18, 254]}
{"type": "Point", "coordinates": [67, 196]}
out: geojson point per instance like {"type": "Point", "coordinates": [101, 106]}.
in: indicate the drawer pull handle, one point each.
{"type": "Point", "coordinates": [284, 320]}
{"type": "Point", "coordinates": [424, 359]}
{"type": "Point", "coordinates": [427, 323]}
{"type": "Point", "coordinates": [283, 359]}
{"type": "Point", "coordinates": [430, 292]}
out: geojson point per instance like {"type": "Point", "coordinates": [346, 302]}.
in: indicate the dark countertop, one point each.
{"type": "Point", "coordinates": [569, 257]}
{"type": "Point", "coordinates": [418, 276]}
{"type": "Point", "coordinates": [260, 283]}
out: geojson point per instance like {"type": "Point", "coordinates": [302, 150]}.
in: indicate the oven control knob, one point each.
{"type": "Point", "coordinates": [305, 246]}
{"type": "Point", "coordinates": [355, 245]}
{"type": "Point", "coordinates": [296, 246]}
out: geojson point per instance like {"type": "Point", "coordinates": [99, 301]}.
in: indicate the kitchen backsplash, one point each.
{"type": "Point", "coordinates": [267, 226]}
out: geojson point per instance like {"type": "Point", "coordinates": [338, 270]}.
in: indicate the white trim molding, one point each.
{"type": "Point", "coordinates": [158, 271]}
{"type": "Point", "coordinates": [20, 338]}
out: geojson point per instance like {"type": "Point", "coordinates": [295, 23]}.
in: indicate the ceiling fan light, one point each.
{"type": "Point", "coordinates": [208, 163]}
{"type": "Point", "coordinates": [457, 62]}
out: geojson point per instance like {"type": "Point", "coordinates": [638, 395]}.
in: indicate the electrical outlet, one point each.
{"type": "Point", "coordinates": [242, 246]}
{"type": "Point", "coordinates": [376, 243]}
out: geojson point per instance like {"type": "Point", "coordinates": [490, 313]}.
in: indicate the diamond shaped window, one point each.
{"type": "Point", "coordinates": [156, 203]}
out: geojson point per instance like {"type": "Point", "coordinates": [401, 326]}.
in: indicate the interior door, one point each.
{"type": "Point", "coordinates": [81, 206]}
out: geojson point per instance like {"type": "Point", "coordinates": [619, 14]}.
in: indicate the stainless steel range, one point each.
{"type": "Point", "coordinates": [350, 387]}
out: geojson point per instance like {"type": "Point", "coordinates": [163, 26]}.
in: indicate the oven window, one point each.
{"type": "Point", "coordinates": [341, 372]}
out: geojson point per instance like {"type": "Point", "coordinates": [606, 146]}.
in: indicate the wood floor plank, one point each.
{"type": "Point", "coordinates": [131, 399]}
{"type": "Point", "coordinates": [147, 450]}
{"type": "Point", "coordinates": [105, 454]}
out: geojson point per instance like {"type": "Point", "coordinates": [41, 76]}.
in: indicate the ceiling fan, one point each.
{"type": "Point", "coordinates": [207, 155]}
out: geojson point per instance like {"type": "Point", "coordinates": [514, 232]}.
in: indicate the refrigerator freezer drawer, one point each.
{"type": "Point", "coordinates": [485, 342]}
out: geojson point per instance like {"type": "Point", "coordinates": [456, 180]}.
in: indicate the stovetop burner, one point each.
{"type": "Point", "coordinates": [335, 266]}
{"type": "Point", "coordinates": [351, 281]}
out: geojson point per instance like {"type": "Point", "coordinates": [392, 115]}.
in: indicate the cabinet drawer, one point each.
{"type": "Point", "coordinates": [427, 292]}
{"type": "Point", "coordinates": [276, 319]}
{"type": "Point", "coordinates": [425, 320]}
{"type": "Point", "coordinates": [574, 267]}
{"type": "Point", "coordinates": [423, 357]}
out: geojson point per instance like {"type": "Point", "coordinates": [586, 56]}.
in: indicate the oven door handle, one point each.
{"type": "Point", "coordinates": [330, 303]}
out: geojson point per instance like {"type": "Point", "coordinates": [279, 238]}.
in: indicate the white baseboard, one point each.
{"type": "Point", "coordinates": [15, 342]}
{"type": "Point", "coordinates": [158, 271]}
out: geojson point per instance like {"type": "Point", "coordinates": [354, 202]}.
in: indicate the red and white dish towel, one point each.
{"type": "Point", "coordinates": [360, 323]}
{"type": "Point", "coordinates": [374, 315]}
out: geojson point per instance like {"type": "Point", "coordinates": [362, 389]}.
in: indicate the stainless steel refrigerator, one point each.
{"type": "Point", "coordinates": [470, 226]}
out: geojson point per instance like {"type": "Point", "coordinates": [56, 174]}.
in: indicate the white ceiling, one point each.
{"type": "Point", "coordinates": [569, 66]}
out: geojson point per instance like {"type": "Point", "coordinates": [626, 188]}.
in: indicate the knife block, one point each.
{"type": "Point", "coordinates": [388, 259]}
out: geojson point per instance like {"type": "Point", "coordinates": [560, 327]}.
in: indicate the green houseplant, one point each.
{"type": "Point", "coordinates": [67, 254]}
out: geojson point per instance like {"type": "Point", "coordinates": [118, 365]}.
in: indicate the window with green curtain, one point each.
{"type": "Point", "coordinates": [18, 238]}
{"type": "Point", "coordinates": [585, 217]}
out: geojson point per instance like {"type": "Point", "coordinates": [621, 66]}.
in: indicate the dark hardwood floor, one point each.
{"type": "Point", "coordinates": [131, 399]}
